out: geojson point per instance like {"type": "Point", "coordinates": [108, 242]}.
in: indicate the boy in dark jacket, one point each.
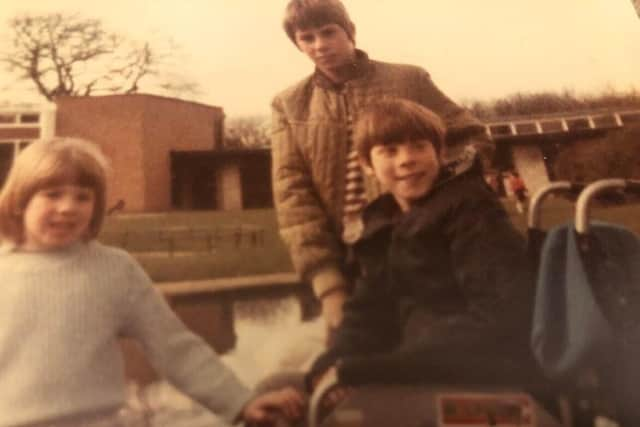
{"type": "Point", "coordinates": [445, 291]}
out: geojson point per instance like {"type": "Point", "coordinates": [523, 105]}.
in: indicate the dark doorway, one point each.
{"type": "Point", "coordinates": [204, 189]}
{"type": "Point", "coordinates": [6, 158]}
{"type": "Point", "coordinates": [256, 183]}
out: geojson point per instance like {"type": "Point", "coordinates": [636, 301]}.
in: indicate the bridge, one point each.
{"type": "Point", "coordinates": [560, 123]}
{"type": "Point", "coordinates": [521, 133]}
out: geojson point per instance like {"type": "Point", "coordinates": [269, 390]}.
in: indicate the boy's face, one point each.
{"type": "Point", "coordinates": [407, 170]}
{"type": "Point", "coordinates": [328, 46]}
{"type": "Point", "coordinates": [57, 217]}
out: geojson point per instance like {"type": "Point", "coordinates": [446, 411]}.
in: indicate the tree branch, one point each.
{"type": "Point", "coordinates": [71, 55]}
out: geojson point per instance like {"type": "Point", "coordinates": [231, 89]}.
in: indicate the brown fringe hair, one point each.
{"type": "Point", "coordinates": [393, 121]}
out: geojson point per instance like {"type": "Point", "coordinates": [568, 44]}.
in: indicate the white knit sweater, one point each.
{"type": "Point", "coordinates": [60, 316]}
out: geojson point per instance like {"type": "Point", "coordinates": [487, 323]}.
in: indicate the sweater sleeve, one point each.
{"type": "Point", "coordinates": [175, 352]}
{"type": "Point", "coordinates": [314, 246]}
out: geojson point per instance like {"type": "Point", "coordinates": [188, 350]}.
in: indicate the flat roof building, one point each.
{"type": "Point", "coordinates": [20, 125]}
{"type": "Point", "coordinates": [165, 153]}
{"type": "Point", "coordinates": [138, 132]}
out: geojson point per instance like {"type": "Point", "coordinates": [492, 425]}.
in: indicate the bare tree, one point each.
{"type": "Point", "coordinates": [247, 132]}
{"type": "Point", "coordinates": [72, 55]}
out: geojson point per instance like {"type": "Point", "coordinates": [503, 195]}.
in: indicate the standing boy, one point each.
{"type": "Point", "coordinates": [318, 188]}
{"type": "Point", "coordinates": [445, 291]}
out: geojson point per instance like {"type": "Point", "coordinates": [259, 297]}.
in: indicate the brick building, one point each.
{"type": "Point", "coordinates": [237, 179]}
{"type": "Point", "coordinates": [165, 153]}
{"type": "Point", "coordinates": [138, 133]}
{"type": "Point", "coordinates": [21, 124]}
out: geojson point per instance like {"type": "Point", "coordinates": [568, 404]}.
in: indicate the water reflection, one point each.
{"type": "Point", "coordinates": [271, 337]}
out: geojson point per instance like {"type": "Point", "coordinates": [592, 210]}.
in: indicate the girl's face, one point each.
{"type": "Point", "coordinates": [57, 217]}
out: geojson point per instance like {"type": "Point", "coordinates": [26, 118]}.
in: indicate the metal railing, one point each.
{"type": "Point", "coordinates": [561, 123]}
{"type": "Point", "coordinates": [187, 238]}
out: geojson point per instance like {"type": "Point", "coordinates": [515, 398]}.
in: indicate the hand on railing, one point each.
{"type": "Point", "coordinates": [325, 383]}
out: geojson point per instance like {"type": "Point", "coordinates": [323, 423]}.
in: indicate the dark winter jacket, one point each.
{"type": "Point", "coordinates": [445, 291]}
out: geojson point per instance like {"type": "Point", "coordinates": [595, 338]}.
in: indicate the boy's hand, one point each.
{"type": "Point", "coordinates": [330, 375]}
{"type": "Point", "coordinates": [330, 286]}
{"type": "Point", "coordinates": [332, 308]}
{"type": "Point", "coordinates": [265, 408]}
{"type": "Point", "coordinates": [336, 394]}
{"type": "Point", "coordinates": [334, 397]}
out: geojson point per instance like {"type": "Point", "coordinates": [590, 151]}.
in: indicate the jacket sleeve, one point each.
{"type": "Point", "coordinates": [462, 127]}
{"type": "Point", "coordinates": [314, 246]}
{"type": "Point", "coordinates": [491, 268]}
{"type": "Point", "coordinates": [369, 326]}
{"type": "Point", "coordinates": [495, 277]}
{"type": "Point", "coordinates": [175, 352]}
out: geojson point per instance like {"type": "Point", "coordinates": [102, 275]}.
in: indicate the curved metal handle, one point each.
{"type": "Point", "coordinates": [326, 384]}
{"type": "Point", "coordinates": [583, 204]}
{"type": "Point", "coordinates": [533, 218]}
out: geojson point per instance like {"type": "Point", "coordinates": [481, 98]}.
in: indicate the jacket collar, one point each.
{"type": "Point", "coordinates": [357, 70]}
{"type": "Point", "coordinates": [384, 211]}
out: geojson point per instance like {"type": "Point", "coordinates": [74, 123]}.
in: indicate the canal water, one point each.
{"type": "Point", "coordinates": [271, 337]}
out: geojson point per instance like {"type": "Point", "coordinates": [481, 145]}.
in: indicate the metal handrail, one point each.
{"type": "Point", "coordinates": [520, 118]}
{"type": "Point", "coordinates": [326, 384]}
{"type": "Point", "coordinates": [583, 204]}
{"type": "Point", "coordinates": [533, 216]}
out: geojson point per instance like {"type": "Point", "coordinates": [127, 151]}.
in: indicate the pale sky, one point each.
{"type": "Point", "coordinates": [238, 53]}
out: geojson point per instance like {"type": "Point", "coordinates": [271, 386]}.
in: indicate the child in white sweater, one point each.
{"type": "Point", "coordinates": [65, 299]}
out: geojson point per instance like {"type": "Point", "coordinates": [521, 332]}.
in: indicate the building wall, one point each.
{"type": "Point", "coordinates": [19, 126]}
{"type": "Point", "coordinates": [137, 133]}
{"type": "Point", "coordinates": [222, 179]}
{"type": "Point", "coordinates": [228, 187]}
{"type": "Point", "coordinates": [529, 162]}
{"type": "Point", "coordinates": [256, 182]}
{"type": "Point", "coordinates": [173, 125]}
{"type": "Point", "coordinates": [116, 124]}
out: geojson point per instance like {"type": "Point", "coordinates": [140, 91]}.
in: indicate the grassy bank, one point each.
{"type": "Point", "coordinates": [198, 245]}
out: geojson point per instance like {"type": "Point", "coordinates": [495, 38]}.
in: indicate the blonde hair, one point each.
{"type": "Point", "coordinates": [47, 163]}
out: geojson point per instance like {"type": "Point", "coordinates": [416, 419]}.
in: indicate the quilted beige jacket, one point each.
{"type": "Point", "coordinates": [309, 147]}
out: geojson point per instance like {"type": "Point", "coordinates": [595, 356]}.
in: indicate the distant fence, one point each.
{"type": "Point", "coordinates": [176, 239]}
